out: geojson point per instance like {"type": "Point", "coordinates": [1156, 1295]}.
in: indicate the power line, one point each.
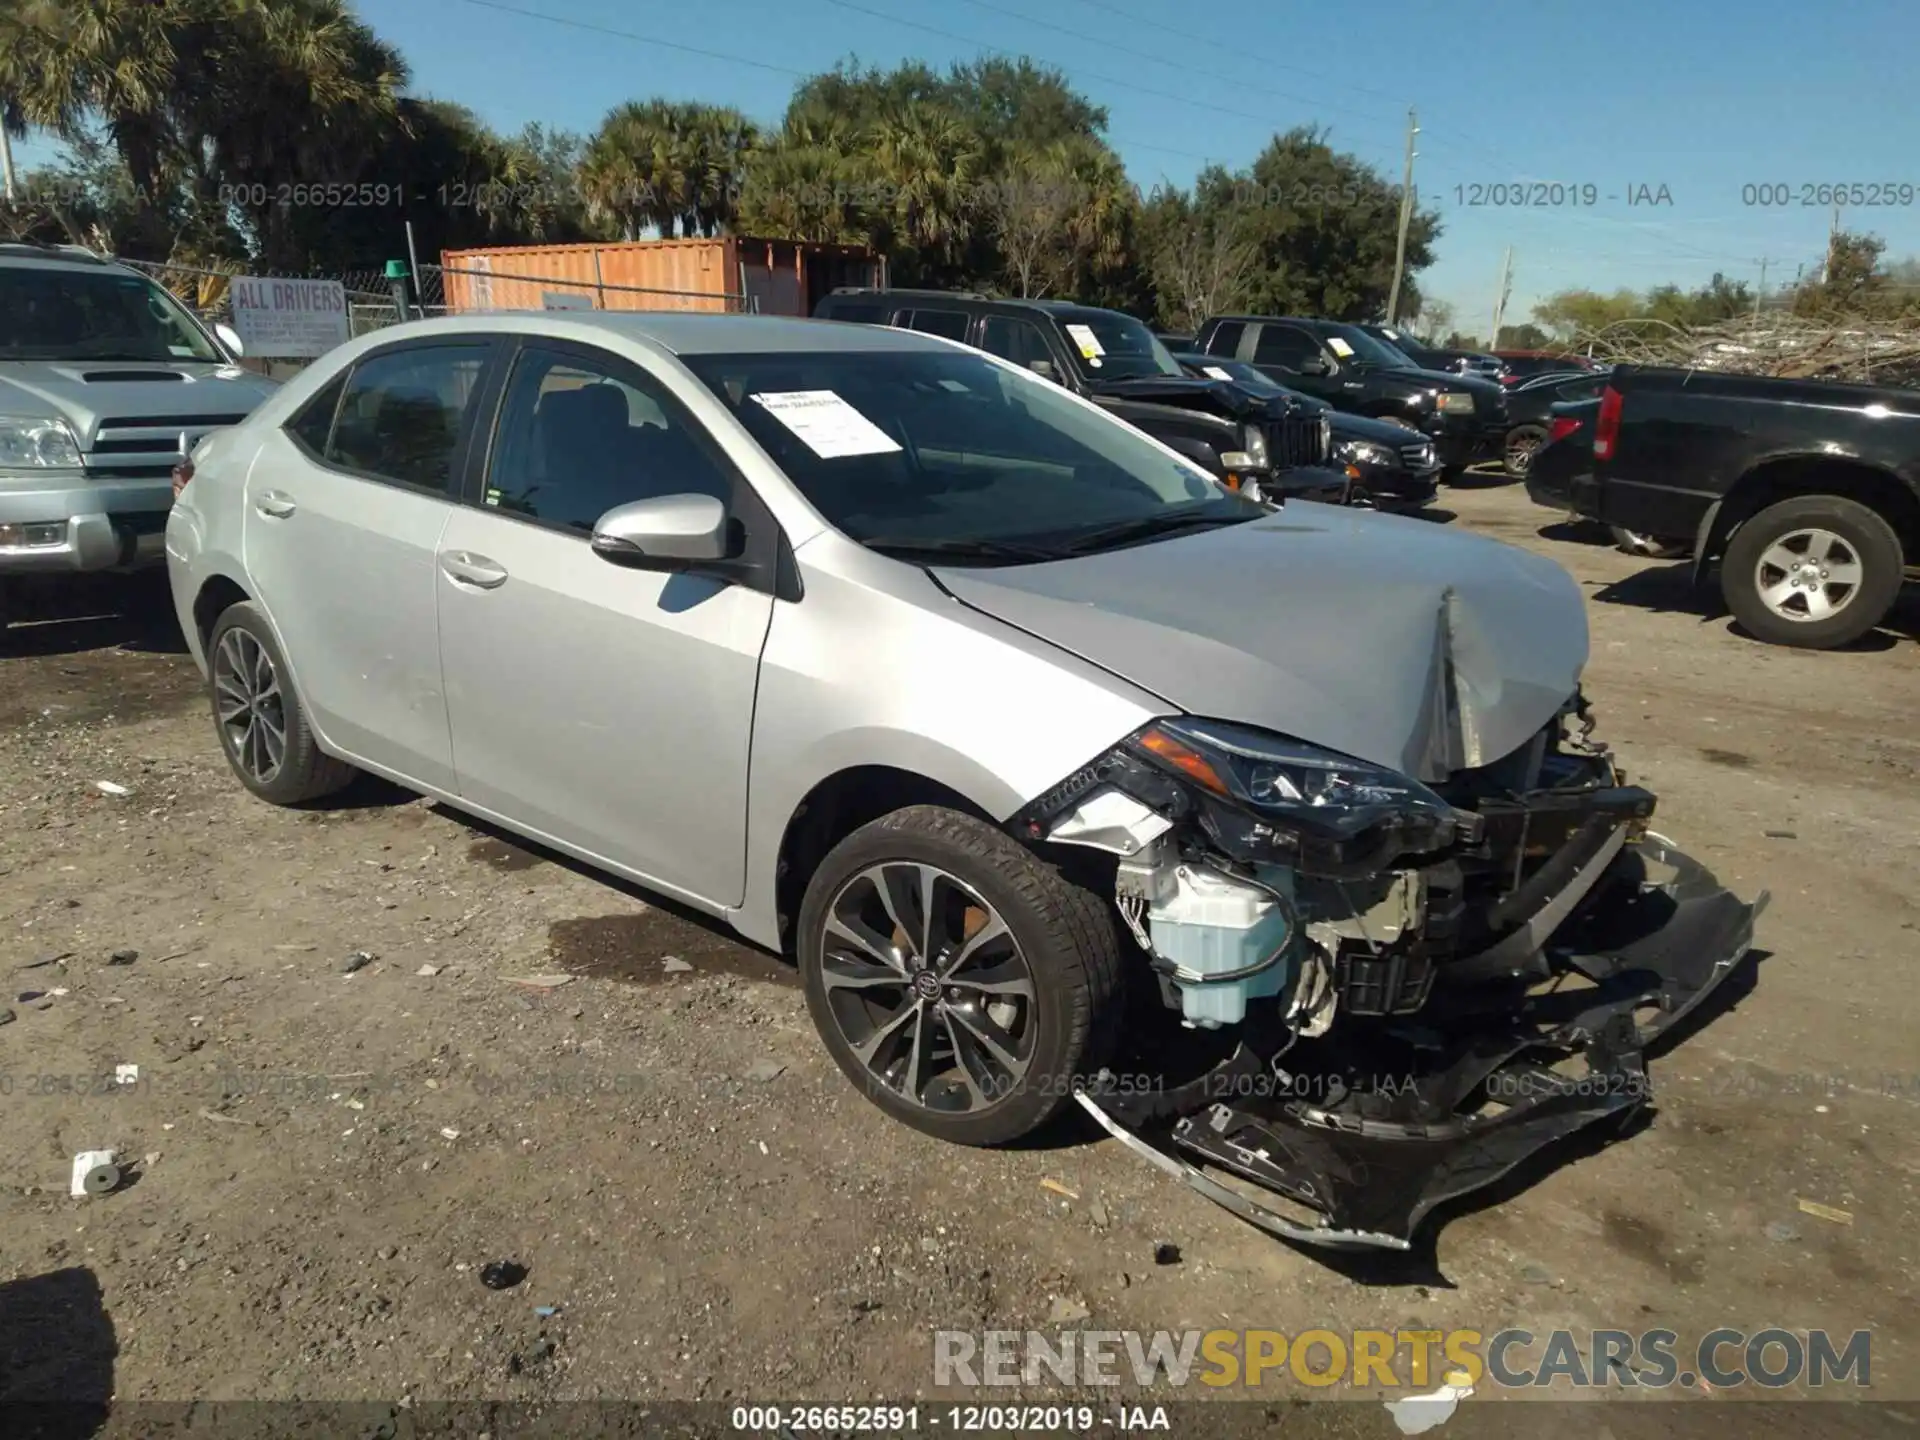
{"type": "Point", "coordinates": [1134, 86]}
{"type": "Point", "coordinates": [732, 59]}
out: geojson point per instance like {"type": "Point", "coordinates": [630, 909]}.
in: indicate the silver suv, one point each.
{"type": "Point", "coordinates": [102, 374]}
{"type": "Point", "coordinates": [992, 710]}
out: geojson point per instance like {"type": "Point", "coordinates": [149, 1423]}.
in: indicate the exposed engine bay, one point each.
{"type": "Point", "coordinates": [1423, 983]}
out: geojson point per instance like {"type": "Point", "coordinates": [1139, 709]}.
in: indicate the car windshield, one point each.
{"type": "Point", "coordinates": [1107, 346]}
{"type": "Point", "coordinates": [1368, 350]}
{"type": "Point", "coordinates": [1239, 371]}
{"type": "Point", "coordinates": [48, 314]}
{"type": "Point", "coordinates": [922, 454]}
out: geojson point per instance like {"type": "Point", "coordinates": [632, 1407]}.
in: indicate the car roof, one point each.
{"type": "Point", "coordinates": [19, 255]}
{"type": "Point", "coordinates": [973, 300]}
{"type": "Point", "coordinates": [681, 333]}
{"type": "Point", "coordinates": [1303, 320]}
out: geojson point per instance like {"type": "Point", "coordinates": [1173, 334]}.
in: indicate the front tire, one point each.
{"type": "Point", "coordinates": [1814, 572]}
{"type": "Point", "coordinates": [263, 730]}
{"type": "Point", "coordinates": [1523, 443]}
{"type": "Point", "coordinates": [961, 982]}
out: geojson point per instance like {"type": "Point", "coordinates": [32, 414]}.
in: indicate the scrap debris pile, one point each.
{"type": "Point", "coordinates": [1883, 352]}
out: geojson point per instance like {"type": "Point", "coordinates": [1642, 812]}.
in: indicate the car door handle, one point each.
{"type": "Point", "coordinates": [464, 568]}
{"type": "Point", "coordinates": [275, 504]}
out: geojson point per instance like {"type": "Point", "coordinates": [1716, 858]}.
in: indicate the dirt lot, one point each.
{"type": "Point", "coordinates": [323, 1162]}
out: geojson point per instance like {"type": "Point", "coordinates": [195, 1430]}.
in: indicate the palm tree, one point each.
{"type": "Point", "coordinates": [930, 161]}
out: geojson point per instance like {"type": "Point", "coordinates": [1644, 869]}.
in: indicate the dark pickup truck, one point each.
{"type": "Point", "coordinates": [1806, 492]}
{"type": "Point", "coordinates": [1465, 417]}
{"type": "Point", "coordinates": [1275, 443]}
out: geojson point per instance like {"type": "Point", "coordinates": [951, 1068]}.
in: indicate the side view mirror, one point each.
{"type": "Point", "coordinates": [1316, 365]}
{"type": "Point", "coordinates": [230, 338]}
{"type": "Point", "coordinates": [1042, 368]}
{"type": "Point", "coordinates": [668, 532]}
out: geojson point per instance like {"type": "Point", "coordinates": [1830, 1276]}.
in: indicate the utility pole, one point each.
{"type": "Point", "coordinates": [1500, 305]}
{"type": "Point", "coordinates": [1760, 294]}
{"type": "Point", "coordinates": [1406, 219]}
{"type": "Point", "coordinates": [6, 156]}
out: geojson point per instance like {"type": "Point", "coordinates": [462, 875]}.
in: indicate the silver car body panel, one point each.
{"type": "Point", "coordinates": [554, 719]}
{"type": "Point", "coordinates": [1381, 637]}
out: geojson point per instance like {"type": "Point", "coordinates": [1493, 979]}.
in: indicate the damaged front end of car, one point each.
{"type": "Point", "coordinates": [1427, 982]}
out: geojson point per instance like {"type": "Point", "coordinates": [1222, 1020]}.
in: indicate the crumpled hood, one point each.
{"type": "Point", "coordinates": [1385, 638]}
{"type": "Point", "coordinates": [85, 392]}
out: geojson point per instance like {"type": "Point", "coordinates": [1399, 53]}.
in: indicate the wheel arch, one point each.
{"type": "Point", "coordinates": [1790, 477]}
{"type": "Point", "coordinates": [836, 806]}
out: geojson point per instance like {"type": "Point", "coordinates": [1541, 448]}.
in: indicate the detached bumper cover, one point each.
{"type": "Point", "coordinates": [1496, 1079]}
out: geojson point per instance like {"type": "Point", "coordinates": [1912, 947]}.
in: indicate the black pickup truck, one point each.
{"type": "Point", "coordinates": [1465, 417]}
{"type": "Point", "coordinates": [1277, 444]}
{"type": "Point", "coordinates": [1806, 492]}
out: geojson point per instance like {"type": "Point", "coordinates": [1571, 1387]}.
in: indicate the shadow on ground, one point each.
{"type": "Point", "coordinates": [57, 1348]}
{"type": "Point", "coordinates": [91, 612]}
{"type": "Point", "coordinates": [1667, 588]}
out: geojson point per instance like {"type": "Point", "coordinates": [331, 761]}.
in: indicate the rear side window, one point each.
{"type": "Point", "coordinates": [401, 413]}
{"type": "Point", "coordinates": [950, 323]}
{"type": "Point", "coordinates": [313, 426]}
{"type": "Point", "coordinates": [861, 312]}
{"type": "Point", "coordinates": [1225, 339]}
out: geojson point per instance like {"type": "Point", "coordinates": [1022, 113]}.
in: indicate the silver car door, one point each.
{"type": "Point", "coordinates": [344, 511]}
{"type": "Point", "coordinates": [608, 709]}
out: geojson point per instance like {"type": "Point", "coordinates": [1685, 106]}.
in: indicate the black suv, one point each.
{"type": "Point", "coordinates": [1271, 441]}
{"type": "Point", "coordinates": [1351, 370]}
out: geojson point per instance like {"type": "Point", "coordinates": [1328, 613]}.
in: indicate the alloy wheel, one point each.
{"type": "Point", "coordinates": [928, 987]}
{"type": "Point", "coordinates": [1522, 446]}
{"type": "Point", "coordinates": [1808, 574]}
{"type": "Point", "coordinates": [250, 706]}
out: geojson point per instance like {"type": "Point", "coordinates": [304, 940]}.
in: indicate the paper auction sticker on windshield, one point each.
{"type": "Point", "coordinates": [1088, 342]}
{"type": "Point", "coordinates": [1216, 372]}
{"type": "Point", "coordinates": [1339, 346]}
{"type": "Point", "coordinates": [827, 424]}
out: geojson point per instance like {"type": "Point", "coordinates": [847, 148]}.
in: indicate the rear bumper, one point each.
{"type": "Point", "coordinates": [103, 526]}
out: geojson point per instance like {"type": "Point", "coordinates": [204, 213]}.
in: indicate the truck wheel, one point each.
{"type": "Point", "coordinates": [263, 731]}
{"type": "Point", "coordinates": [957, 979]}
{"type": "Point", "coordinates": [1654, 547]}
{"type": "Point", "coordinates": [1522, 442]}
{"type": "Point", "coordinates": [1813, 572]}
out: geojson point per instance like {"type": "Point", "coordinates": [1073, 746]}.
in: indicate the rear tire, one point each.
{"type": "Point", "coordinates": [973, 1066]}
{"type": "Point", "coordinates": [262, 728]}
{"type": "Point", "coordinates": [1813, 572]}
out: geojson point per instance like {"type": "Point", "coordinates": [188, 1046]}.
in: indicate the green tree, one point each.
{"type": "Point", "coordinates": [1321, 225]}
{"type": "Point", "coordinates": [1575, 312]}
{"type": "Point", "coordinates": [1522, 337]}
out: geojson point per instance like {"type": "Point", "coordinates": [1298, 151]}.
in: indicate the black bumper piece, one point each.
{"type": "Point", "coordinates": [1492, 1086]}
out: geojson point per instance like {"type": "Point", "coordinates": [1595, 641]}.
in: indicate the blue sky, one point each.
{"type": "Point", "coordinates": [1703, 97]}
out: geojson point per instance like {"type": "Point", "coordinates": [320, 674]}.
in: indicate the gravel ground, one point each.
{"type": "Point", "coordinates": [323, 1163]}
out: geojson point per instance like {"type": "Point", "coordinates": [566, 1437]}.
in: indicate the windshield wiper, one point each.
{"type": "Point", "coordinates": [903, 547]}
{"type": "Point", "coordinates": [1144, 527]}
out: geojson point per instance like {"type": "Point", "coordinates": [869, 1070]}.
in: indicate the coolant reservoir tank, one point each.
{"type": "Point", "coordinates": [1226, 939]}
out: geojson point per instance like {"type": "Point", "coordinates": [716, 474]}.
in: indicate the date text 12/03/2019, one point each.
{"type": "Point", "coordinates": [959, 1419]}
{"type": "Point", "coordinates": [1556, 194]}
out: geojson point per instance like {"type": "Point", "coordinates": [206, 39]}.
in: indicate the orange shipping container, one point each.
{"type": "Point", "coordinates": [726, 273]}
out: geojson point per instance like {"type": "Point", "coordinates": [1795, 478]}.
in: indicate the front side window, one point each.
{"type": "Point", "coordinates": [1284, 346]}
{"type": "Point", "coordinates": [579, 436]}
{"type": "Point", "coordinates": [1019, 341]}
{"type": "Point", "coordinates": [400, 416]}
{"type": "Point", "coordinates": [910, 452]}
{"type": "Point", "coordinates": [94, 315]}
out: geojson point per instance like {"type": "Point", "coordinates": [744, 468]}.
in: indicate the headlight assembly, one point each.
{"type": "Point", "coordinates": [1363, 452]}
{"type": "Point", "coordinates": [35, 443]}
{"type": "Point", "coordinates": [1256, 446]}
